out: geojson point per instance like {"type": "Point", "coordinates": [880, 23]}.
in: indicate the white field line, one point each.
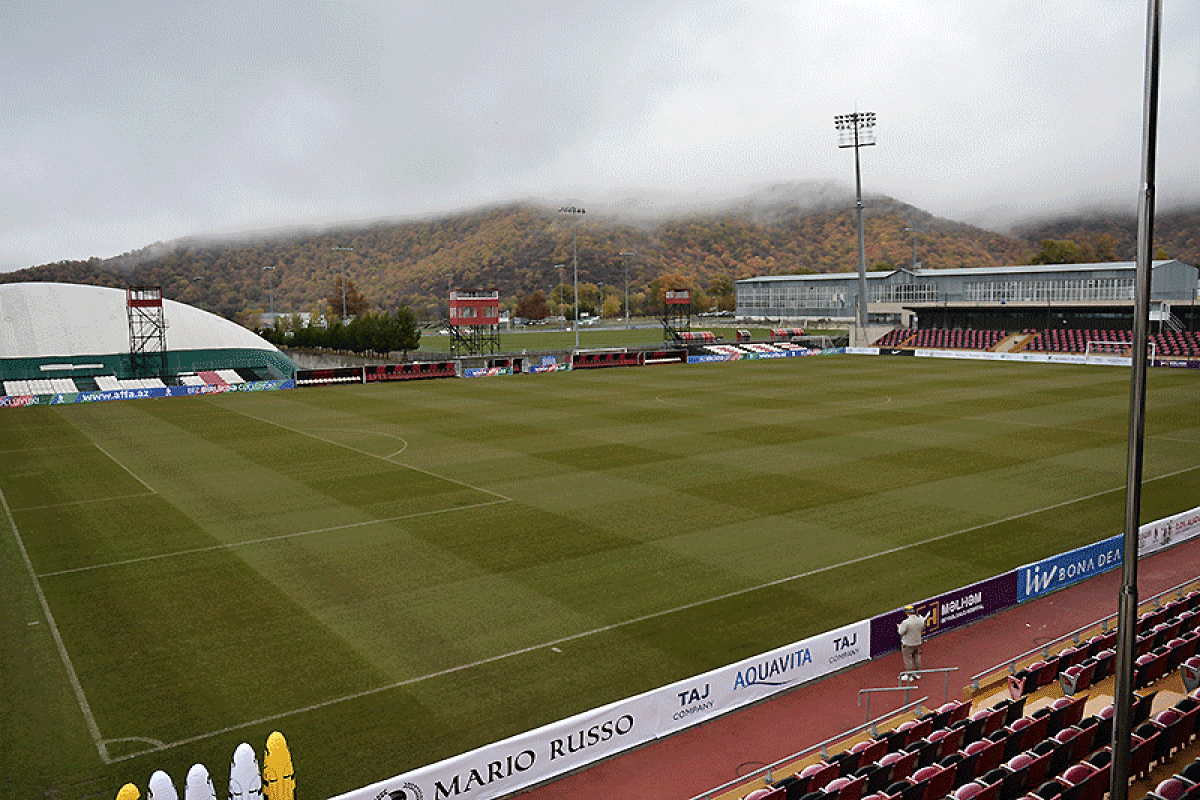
{"type": "Point", "coordinates": [267, 539]}
{"type": "Point", "coordinates": [387, 458]}
{"type": "Point", "coordinates": [634, 620]}
{"type": "Point", "coordinates": [122, 466]}
{"type": "Point", "coordinates": [45, 448]}
{"type": "Point", "coordinates": [80, 697]}
{"type": "Point", "coordinates": [191, 551]}
{"type": "Point", "coordinates": [843, 403]}
{"type": "Point", "coordinates": [1075, 429]}
{"type": "Point", "coordinates": [374, 433]}
{"type": "Point", "coordinates": [1172, 439]}
{"type": "Point", "coordinates": [82, 502]}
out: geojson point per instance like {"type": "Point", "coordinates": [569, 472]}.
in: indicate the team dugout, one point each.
{"type": "Point", "coordinates": [1005, 298]}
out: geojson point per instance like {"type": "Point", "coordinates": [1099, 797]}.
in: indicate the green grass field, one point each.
{"type": "Point", "coordinates": [383, 572]}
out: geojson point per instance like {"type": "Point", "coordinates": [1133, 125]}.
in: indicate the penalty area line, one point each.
{"type": "Point", "coordinates": [267, 539]}
{"type": "Point", "coordinates": [88, 717]}
{"type": "Point", "coordinates": [127, 469]}
{"type": "Point", "coordinates": [552, 644]}
{"type": "Point", "coordinates": [84, 502]}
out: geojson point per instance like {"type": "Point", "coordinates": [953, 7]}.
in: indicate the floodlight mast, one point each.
{"type": "Point", "coordinates": [1127, 601]}
{"type": "Point", "coordinates": [626, 255]}
{"type": "Point", "coordinates": [858, 130]}
{"type": "Point", "coordinates": [575, 211]}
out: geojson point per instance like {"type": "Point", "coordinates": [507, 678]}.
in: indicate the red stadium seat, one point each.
{"type": "Point", "coordinates": [767, 793]}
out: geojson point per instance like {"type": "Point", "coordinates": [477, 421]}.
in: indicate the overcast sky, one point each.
{"type": "Point", "coordinates": [126, 123]}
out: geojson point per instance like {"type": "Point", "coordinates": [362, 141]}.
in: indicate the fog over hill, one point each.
{"type": "Point", "coordinates": [701, 241]}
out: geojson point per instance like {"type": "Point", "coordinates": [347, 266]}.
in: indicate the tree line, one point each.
{"type": "Point", "coordinates": [366, 333]}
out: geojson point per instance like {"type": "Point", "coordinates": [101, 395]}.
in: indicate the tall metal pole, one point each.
{"type": "Point", "coordinates": [575, 258]}
{"type": "Point", "coordinates": [559, 267]}
{"type": "Point", "coordinates": [862, 246]}
{"type": "Point", "coordinates": [344, 250]}
{"type": "Point", "coordinates": [914, 232]}
{"type": "Point", "coordinates": [627, 254]}
{"type": "Point", "coordinates": [1128, 600]}
{"type": "Point", "coordinates": [575, 267]}
{"type": "Point", "coordinates": [857, 130]}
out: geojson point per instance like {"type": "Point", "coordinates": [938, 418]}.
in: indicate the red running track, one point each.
{"type": "Point", "coordinates": [693, 761]}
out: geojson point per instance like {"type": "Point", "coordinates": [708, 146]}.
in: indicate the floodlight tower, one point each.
{"type": "Point", "coordinates": [914, 232]}
{"type": "Point", "coordinates": [626, 255]}
{"type": "Point", "coordinates": [575, 212]}
{"type": "Point", "coordinates": [858, 130]}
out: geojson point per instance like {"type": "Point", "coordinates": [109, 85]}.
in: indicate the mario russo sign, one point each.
{"type": "Point", "coordinates": [529, 758]}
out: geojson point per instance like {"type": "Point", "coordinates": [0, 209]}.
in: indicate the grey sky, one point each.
{"type": "Point", "coordinates": [126, 123]}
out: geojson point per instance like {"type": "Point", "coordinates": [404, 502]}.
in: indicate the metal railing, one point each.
{"type": "Point", "coordinates": [906, 689]}
{"type": "Point", "coordinates": [1044, 650]}
{"type": "Point", "coordinates": [822, 746]}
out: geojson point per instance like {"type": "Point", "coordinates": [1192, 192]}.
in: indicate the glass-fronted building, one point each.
{"type": "Point", "coordinates": [1016, 297]}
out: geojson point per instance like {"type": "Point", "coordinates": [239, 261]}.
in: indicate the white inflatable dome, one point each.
{"type": "Point", "coordinates": [40, 321]}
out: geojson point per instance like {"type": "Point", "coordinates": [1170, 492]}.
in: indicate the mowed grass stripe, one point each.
{"type": "Point", "coordinates": [621, 544]}
{"type": "Point", "coordinates": [191, 646]}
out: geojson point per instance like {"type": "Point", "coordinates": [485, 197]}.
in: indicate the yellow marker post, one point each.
{"type": "Point", "coordinates": [279, 776]}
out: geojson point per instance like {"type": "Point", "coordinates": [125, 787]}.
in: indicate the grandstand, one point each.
{"type": "Point", "coordinates": [1168, 343]}
{"type": "Point", "coordinates": [60, 339]}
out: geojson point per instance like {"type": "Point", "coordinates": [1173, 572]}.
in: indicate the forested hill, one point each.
{"type": "Point", "coordinates": [514, 249]}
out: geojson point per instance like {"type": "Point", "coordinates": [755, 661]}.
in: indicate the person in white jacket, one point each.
{"type": "Point", "coordinates": [910, 642]}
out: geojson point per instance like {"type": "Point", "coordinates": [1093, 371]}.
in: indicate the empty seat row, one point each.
{"type": "Point", "coordinates": [1070, 775]}
{"type": "Point", "coordinates": [999, 753]}
{"type": "Point", "coordinates": [1174, 626]}
{"type": "Point", "coordinates": [37, 386]}
{"type": "Point", "coordinates": [1184, 785]}
{"type": "Point", "coordinates": [1003, 753]}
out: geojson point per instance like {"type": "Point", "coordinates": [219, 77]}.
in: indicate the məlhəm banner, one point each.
{"type": "Point", "coordinates": [950, 610]}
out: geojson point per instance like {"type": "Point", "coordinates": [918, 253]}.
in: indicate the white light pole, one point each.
{"type": "Point", "coordinates": [575, 260]}
{"type": "Point", "coordinates": [344, 250]}
{"type": "Point", "coordinates": [627, 254]}
{"type": "Point", "coordinates": [559, 267]}
{"type": "Point", "coordinates": [914, 232]}
{"type": "Point", "coordinates": [858, 130]}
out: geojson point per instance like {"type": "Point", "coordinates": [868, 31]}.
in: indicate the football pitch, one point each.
{"type": "Point", "coordinates": [393, 574]}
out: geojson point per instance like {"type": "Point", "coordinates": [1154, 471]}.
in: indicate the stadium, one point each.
{"type": "Point", "coordinates": [544, 583]}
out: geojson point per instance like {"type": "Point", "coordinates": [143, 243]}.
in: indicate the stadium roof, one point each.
{"type": "Point", "coordinates": [40, 320]}
{"type": "Point", "coordinates": [1023, 269]}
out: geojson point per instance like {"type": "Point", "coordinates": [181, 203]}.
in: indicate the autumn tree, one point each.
{"type": "Point", "coordinates": [352, 301]}
{"type": "Point", "coordinates": [1090, 250]}
{"type": "Point", "coordinates": [533, 306]}
{"type": "Point", "coordinates": [722, 290]}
